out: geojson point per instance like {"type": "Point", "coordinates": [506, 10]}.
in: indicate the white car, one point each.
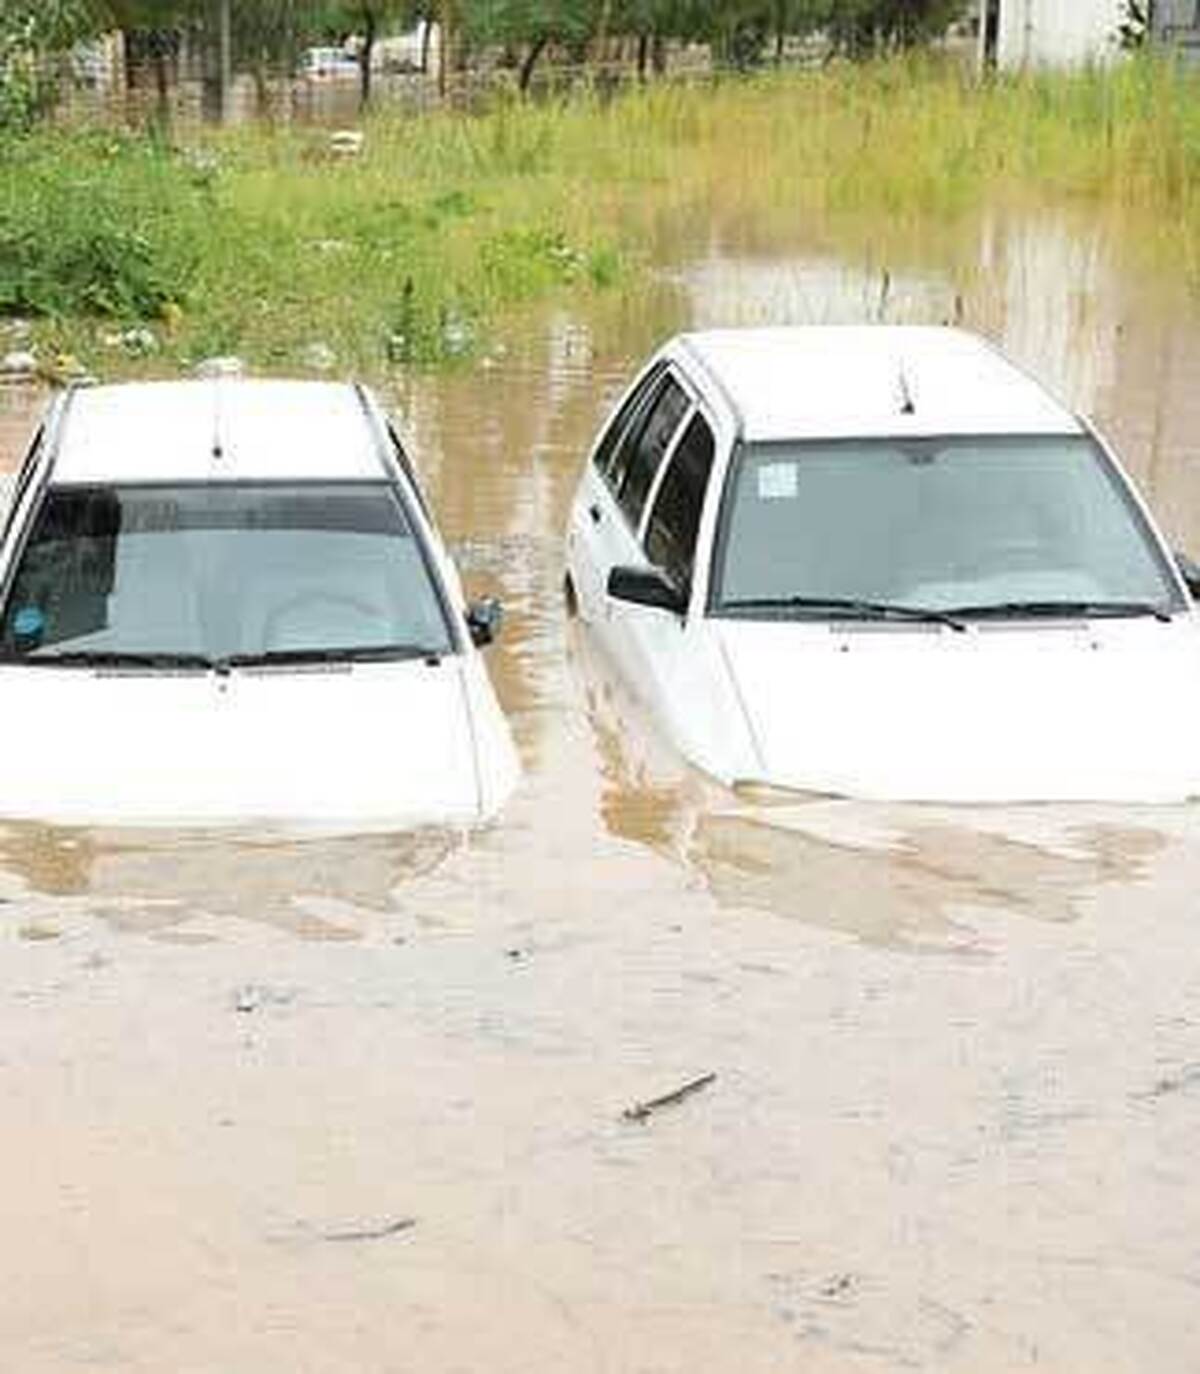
{"type": "Point", "coordinates": [225, 602]}
{"type": "Point", "coordinates": [884, 563]}
{"type": "Point", "coordinates": [328, 64]}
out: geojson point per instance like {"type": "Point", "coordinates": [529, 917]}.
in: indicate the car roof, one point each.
{"type": "Point", "coordinates": [213, 430]}
{"type": "Point", "coordinates": [872, 380]}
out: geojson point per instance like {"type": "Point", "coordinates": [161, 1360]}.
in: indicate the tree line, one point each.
{"type": "Point", "coordinates": [270, 34]}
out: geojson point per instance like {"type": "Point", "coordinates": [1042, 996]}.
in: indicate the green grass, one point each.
{"type": "Point", "coordinates": [255, 241]}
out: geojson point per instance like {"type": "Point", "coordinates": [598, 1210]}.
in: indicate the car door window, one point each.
{"type": "Point", "coordinates": [648, 446]}
{"type": "Point", "coordinates": [634, 404]}
{"type": "Point", "coordinates": [674, 523]}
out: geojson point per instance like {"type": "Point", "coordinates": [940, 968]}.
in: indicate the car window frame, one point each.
{"type": "Point", "coordinates": [33, 481]}
{"type": "Point", "coordinates": [697, 411]}
{"type": "Point", "coordinates": [627, 410]}
{"type": "Point", "coordinates": [24, 480]}
{"type": "Point", "coordinates": [400, 455]}
{"type": "Point", "coordinates": [671, 376]}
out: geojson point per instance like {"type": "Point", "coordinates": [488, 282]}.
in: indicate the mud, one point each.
{"type": "Point", "coordinates": [955, 1122]}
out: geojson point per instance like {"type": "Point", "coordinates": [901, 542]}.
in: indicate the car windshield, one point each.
{"type": "Point", "coordinates": [221, 571]}
{"type": "Point", "coordinates": [970, 525]}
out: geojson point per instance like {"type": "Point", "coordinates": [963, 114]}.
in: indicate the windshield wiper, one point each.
{"type": "Point", "coordinates": [354, 653]}
{"type": "Point", "coordinates": [1092, 610]}
{"type": "Point", "coordinates": [848, 608]}
{"type": "Point", "coordinates": [113, 658]}
{"type": "Point", "coordinates": [165, 661]}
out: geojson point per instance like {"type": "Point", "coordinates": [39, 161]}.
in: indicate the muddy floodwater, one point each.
{"type": "Point", "coordinates": [359, 1104]}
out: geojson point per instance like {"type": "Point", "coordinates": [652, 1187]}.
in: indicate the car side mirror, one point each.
{"type": "Point", "coordinates": [484, 618]}
{"type": "Point", "coordinates": [647, 587]}
{"type": "Point", "coordinates": [1189, 570]}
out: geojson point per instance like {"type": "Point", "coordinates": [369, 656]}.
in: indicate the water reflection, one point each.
{"type": "Point", "coordinates": [905, 877]}
{"type": "Point", "coordinates": [910, 893]}
{"type": "Point", "coordinates": [154, 882]}
{"type": "Point", "coordinates": [1067, 295]}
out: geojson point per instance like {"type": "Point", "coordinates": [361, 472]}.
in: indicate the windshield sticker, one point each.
{"type": "Point", "coordinates": [777, 482]}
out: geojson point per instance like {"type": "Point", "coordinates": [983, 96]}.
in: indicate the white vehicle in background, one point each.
{"type": "Point", "coordinates": [225, 602]}
{"type": "Point", "coordinates": [884, 563]}
{"type": "Point", "coordinates": [328, 64]}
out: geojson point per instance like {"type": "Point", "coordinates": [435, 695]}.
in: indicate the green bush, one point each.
{"type": "Point", "coordinates": [95, 227]}
{"type": "Point", "coordinates": [90, 270]}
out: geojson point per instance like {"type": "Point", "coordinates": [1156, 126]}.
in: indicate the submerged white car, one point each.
{"type": "Point", "coordinates": [884, 563]}
{"type": "Point", "coordinates": [225, 602]}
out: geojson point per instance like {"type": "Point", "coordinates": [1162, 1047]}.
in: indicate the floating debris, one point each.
{"type": "Point", "coordinates": [37, 932]}
{"type": "Point", "coordinates": [19, 366]}
{"type": "Point", "coordinates": [388, 1228]}
{"type": "Point", "coordinates": [319, 357]}
{"type": "Point", "coordinates": [250, 996]}
{"type": "Point", "coordinates": [1187, 1077]}
{"type": "Point", "coordinates": [228, 366]}
{"type": "Point", "coordinates": [347, 142]}
{"type": "Point", "coordinates": [642, 1111]}
{"type": "Point", "coordinates": [139, 342]}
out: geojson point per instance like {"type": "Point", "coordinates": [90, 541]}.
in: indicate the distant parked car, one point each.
{"type": "Point", "coordinates": [226, 602]}
{"type": "Point", "coordinates": [885, 563]}
{"type": "Point", "coordinates": [328, 64]}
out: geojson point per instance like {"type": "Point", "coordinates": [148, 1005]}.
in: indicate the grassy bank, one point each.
{"type": "Point", "coordinates": [257, 241]}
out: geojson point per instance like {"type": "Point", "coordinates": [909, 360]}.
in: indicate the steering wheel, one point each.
{"type": "Point", "coordinates": [331, 607]}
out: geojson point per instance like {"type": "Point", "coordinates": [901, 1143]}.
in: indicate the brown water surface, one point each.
{"type": "Point", "coordinates": [955, 1123]}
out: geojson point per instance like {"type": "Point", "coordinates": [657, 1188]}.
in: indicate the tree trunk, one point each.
{"type": "Point", "coordinates": [536, 48]}
{"type": "Point", "coordinates": [426, 40]}
{"type": "Point", "coordinates": [225, 29]}
{"type": "Point", "coordinates": [262, 91]}
{"type": "Point", "coordinates": [446, 8]}
{"type": "Point", "coordinates": [370, 24]}
{"type": "Point", "coordinates": [162, 83]}
{"type": "Point", "coordinates": [643, 55]}
{"type": "Point", "coordinates": [131, 81]}
{"type": "Point", "coordinates": [603, 25]}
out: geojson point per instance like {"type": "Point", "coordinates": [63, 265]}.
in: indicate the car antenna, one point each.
{"type": "Point", "coordinates": [218, 449]}
{"type": "Point", "coordinates": [908, 404]}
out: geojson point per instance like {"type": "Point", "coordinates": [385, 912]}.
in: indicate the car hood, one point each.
{"type": "Point", "coordinates": [372, 745]}
{"type": "Point", "coordinates": [1004, 712]}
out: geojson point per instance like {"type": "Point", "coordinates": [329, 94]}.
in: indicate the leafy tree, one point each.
{"type": "Point", "coordinates": [1134, 27]}
{"type": "Point", "coordinates": [863, 26]}
{"type": "Point", "coordinates": [531, 26]}
{"type": "Point", "coordinates": [367, 19]}
{"type": "Point", "coordinates": [655, 23]}
{"type": "Point", "coordinates": [264, 35]}
{"type": "Point", "coordinates": [30, 31]}
{"type": "Point", "coordinates": [46, 25]}
{"type": "Point", "coordinates": [739, 29]}
{"type": "Point", "coordinates": [151, 28]}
